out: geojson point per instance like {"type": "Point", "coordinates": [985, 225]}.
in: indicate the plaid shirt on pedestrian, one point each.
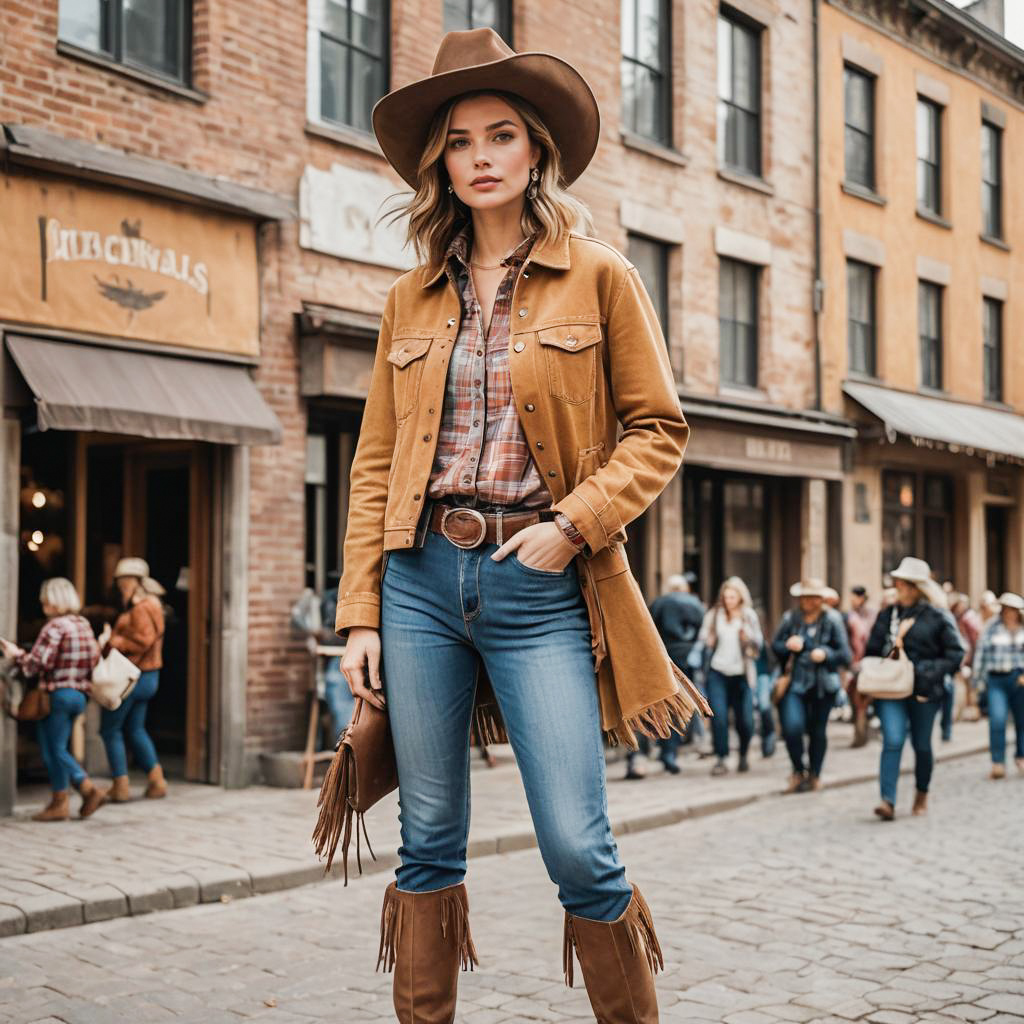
{"type": "Point", "coordinates": [1000, 650]}
{"type": "Point", "coordinates": [64, 654]}
{"type": "Point", "coordinates": [481, 451]}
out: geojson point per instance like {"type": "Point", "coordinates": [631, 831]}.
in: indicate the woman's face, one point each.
{"type": "Point", "coordinates": [906, 593]}
{"type": "Point", "coordinates": [126, 587]}
{"type": "Point", "coordinates": [48, 609]}
{"type": "Point", "coordinates": [731, 599]}
{"type": "Point", "coordinates": [1011, 617]}
{"type": "Point", "coordinates": [810, 607]}
{"type": "Point", "coordinates": [488, 145]}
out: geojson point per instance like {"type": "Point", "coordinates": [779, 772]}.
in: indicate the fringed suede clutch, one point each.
{"type": "Point", "coordinates": [362, 772]}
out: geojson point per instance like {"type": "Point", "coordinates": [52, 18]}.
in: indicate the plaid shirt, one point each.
{"type": "Point", "coordinates": [481, 451]}
{"type": "Point", "coordinates": [64, 654]}
{"type": "Point", "coordinates": [1000, 650]}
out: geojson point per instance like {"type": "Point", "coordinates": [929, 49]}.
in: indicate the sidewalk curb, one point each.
{"type": "Point", "coordinates": [48, 909]}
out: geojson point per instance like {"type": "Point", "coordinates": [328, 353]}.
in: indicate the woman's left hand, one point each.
{"type": "Point", "coordinates": [541, 546]}
{"type": "Point", "coordinates": [817, 655]}
{"type": "Point", "coordinates": [10, 650]}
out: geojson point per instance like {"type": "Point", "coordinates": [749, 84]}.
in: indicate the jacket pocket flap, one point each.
{"type": "Point", "coordinates": [406, 350]}
{"type": "Point", "coordinates": [570, 337]}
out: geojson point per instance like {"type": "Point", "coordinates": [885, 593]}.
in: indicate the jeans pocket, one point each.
{"type": "Point", "coordinates": [533, 571]}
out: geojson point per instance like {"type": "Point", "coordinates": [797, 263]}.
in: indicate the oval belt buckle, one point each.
{"type": "Point", "coordinates": [477, 517]}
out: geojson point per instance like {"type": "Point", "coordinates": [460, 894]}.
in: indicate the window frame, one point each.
{"type": "Point", "coordinates": [922, 515]}
{"type": "Point", "coordinates": [995, 186]}
{"type": "Point", "coordinates": [660, 300]}
{"type": "Point", "coordinates": [935, 341]}
{"type": "Point", "coordinates": [992, 349]}
{"type": "Point", "coordinates": [749, 273]}
{"type": "Point", "coordinates": [738, 22]}
{"type": "Point", "coordinates": [506, 19]}
{"type": "Point", "coordinates": [869, 135]}
{"type": "Point", "coordinates": [931, 168]}
{"type": "Point", "coordinates": [662, 74]}
{"type": "Point", "coordinates": [871, 370]}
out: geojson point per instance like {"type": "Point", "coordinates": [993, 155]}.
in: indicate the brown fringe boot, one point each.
{"type": "Point", "coordinates": [619, 960]}
{"type": "Point", "coordinates": [424, 939]}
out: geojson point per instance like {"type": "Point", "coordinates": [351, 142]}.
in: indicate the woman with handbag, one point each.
{"type": "Point", "coordinates": [63, 658]}
{"type": "Point", "coordinates": [138, 634]}
{"type": "Point", "coordinates": [490, 493]}
{"type": "Point", "coordinates": [920, 625]}
{"type": "Point", "coordinates": [732, 639]}
{"type": "Point", "coordinates": [1000, 664]}
{"type": "Point", "coordinates": [811, 645]}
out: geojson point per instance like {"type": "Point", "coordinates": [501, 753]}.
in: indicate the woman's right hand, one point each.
{"type": "Point", "coordinates": [795, 644]}
{"type": "Point", "coordinates": [361, 665]}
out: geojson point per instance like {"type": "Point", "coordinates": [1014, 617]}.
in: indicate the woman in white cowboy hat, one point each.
{"type": "Point", "coordinates": [491, 489]}
{"type": "Point", "coordinates": [138, 634]}
{"type": "Point", "coordinates": [811, 646]}
{"type": "Point", "coordinates": [920, 621]}
{"type": "Point", "coordinates": [1000, 665]}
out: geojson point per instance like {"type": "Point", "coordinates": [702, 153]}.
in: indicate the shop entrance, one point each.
{"type": "Point", "coordinates": [996, 553]}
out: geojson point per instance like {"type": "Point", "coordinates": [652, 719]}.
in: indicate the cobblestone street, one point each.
{"type": "Point", "coordinates": [792, 909]}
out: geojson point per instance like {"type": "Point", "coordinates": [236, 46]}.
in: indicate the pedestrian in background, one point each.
{"type": "Point", "coordinates": [922, 625]}
{"type": "Point", "coordinates": [63, 657]}
{"type": "Point", "coordinates": [678, 616]}
{"type": "Point", "coordinates": [732, 639]}
{"type": "Point", "coordinates": [138, 633]}
{"type": "Point", "coordinates": [859, 620]}
{"type": "Point", "coordinates": [763, 707]}
{"type": "Point", "coordinates": [1000, 665]}
{"type": "Point", "coordinates": [811, 648]}
{"type": "Point", "coordinates": [969, 623]}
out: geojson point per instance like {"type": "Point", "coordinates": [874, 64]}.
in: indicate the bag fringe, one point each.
{"type": "Point", "coordinates": [490, 727]}
{"type": "Point", "coordinates": [337, 818]}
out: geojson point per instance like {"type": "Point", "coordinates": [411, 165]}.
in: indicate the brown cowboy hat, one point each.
{"type": "Point", "coordinates": [481, 60]}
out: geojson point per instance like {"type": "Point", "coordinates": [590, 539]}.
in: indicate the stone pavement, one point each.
{"type": "Point", "coordinates": [804, 909]}
{"type": "Point", "coordinates": [203, 844]}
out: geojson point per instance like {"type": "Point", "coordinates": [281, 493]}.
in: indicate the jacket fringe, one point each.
{"type": "Point", "coordinates": [337, 818]}
{"type": "Point", "coordinates": [453, 918]}
{"type": "Point", "coordinates": [658, 720]}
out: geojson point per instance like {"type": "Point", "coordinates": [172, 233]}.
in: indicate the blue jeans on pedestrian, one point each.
{"type": "Point", "coordinates": [766, 713]}
{"type": "Point", "coordinates": [948, 702]}
{"type": "Point", "coordinates": [725, 694]}
{"type": "Point", "coordinates": [898, 717]}
{"type": "Point", "coordinates": [443, 609]}
{"type": "Point", "coordinates": [806, 714]}
{"type": "Point", "coordinates": [54, 732]}
{"type": "Point", "coordinates": [128, 723]}
{"type": "Point", "coordinates": [1005, 697]}
{"type": "Point", "coordinates": [340, 701]}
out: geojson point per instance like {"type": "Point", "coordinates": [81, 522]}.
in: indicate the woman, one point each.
{"type": "Point", "coordinates": [921, 624]}
{"type": "Point", "coordinates": [138, 634]}
{"type": "Point", "coordinates": [1000, 663]}
{"type": "Point", "coordinates": [63, 657]}
{"type": "Point", "coordinates": [811, 647]}
{"type": "Point", "coordinates": [489, 497]}
{"type": "Point", "coordinates": [732, 639]}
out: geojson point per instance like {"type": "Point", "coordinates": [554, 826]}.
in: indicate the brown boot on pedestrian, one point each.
{"type": "Point", "coordinates": [1019, 762]}
{"type": "Point", "coordinates": [920, 803]}
{"type": "Point", "coordinates": [58, 809]}
{"type": "Point", "coordinates": [811, 784]}
{"type": "Point", "coordinates": [860, 729]}
{"type": "Point", "coordinates": [619, 960]}
{"type": "Point", "coordinates": [796, 782]}
{"type": "Point", "coordinates": [92, 797]}
{"type": "Point", "coordinates": [157, 787]}
{"type": "Point", "coordinates": [886, 811]}
{"type": "Point", "coordinates": [424, 939]}
{"type": "Point", "coordinates": [998, 771]}
{"type": "Point", "coordinates": [120, 792]}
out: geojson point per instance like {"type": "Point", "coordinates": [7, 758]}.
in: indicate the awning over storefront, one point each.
{"type": "Point", "coordinates": [148, 394]}
{"type": "Point", "coordinates": [940, 422]}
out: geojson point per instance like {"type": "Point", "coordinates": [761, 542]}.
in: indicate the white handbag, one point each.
{"type": "Point", "coordinates": [113, 678]}
{"type": "Point", "coordinates": [891, 677]}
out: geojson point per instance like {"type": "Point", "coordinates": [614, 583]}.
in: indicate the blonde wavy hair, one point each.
{"type": "Point", "coordinates": [437, 215]}
{"type": "Point", "coordinates": [60, 594]}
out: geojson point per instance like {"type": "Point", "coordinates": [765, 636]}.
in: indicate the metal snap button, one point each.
{"type": "Point", "coordinates": [426, 437]}
{"type": "Point", "coordinates": [571, 341]}
{"type": "Point", "coordinates": [551, 472]}
{"type": "Point", "coordinates": [451, 322]}
{"type": "Point", "coordinates": [523, 311]}
{"type": "Point", "coordinates": [530, 406]}
{"type": "Point", "coordinates": [519, 346]}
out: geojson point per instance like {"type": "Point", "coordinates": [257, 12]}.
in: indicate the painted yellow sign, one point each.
{"type": "Point", "coordinates": [104, 261]}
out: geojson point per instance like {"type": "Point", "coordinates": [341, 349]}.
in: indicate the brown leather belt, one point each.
{"type": "Point", "coordinates": [469, 528]}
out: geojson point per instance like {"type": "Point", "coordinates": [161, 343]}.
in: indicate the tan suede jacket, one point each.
{"type": "Point", "coordinates": [587, 354]}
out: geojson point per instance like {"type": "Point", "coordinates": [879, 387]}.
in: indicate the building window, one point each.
{"type": "Point", "coordinates": [348, 53]}
{"type": "Point", "coordinates": [859, 121]}
{"type": "Point", "coordinates": [929, 330]}
{"type": "Point", "coordinates": [929, 161]}
{"type": "Point", "coordinates": [862, 308]}
{"type": "Point", "coordinates": [992, 358]}
{"type": "Point", "coordinates": [460, 15]}
{"type": "Point", "coordinates": [646, 59]}
{"type": "Point", "coordinates": [917, 520]}
{"type": "Point", "coordinates": [739, 94]}
{"type": "Point", "coordinates": [991, 180]}
{"type": "Point", "coordinates": [152, 35]}
{"type": "Point", "coordinates": [737, 323]}
{"type": "Point", "coordinates": [651, 261]}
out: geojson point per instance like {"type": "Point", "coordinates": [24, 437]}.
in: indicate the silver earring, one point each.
{"type": "Point", "coordinates": [531, 192]}
{"type": "Point", "coordinates": [450, 189]}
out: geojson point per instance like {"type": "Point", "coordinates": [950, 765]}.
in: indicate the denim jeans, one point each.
{"type": "Point", "coordinates": [806, 714]}
{"type": "Point", "coordinates": [54, 732]}
{"type": "Point", "coordinates": [948, 703]}
{"type": "Point", "coordinates": [442, 610]}
{"type": "Point", "coordinates": [128, 722]}
{"type": "Point", "coordinates": [725, 694]}
{"type": "Point", "coordinates": [340, 701]}
{"type": "Point", "coordinates": [766, 713]}
{"type": "Point", "coordinates": [897, 718]}
{"type": "Point", "coordinates": [1005, 697]}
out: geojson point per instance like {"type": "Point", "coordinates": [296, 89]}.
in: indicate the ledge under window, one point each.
{"type": "Point", "coordinates": [746, 180]}
{"type": "Point", "coordinates": [933, 218]}
{"type": "Point", "coordinates": [652, 148]}
{"type": "Point", "coordinates": [345, 136]}
{"type": "Point", "coordinates": [66, 49]}
{"type": "Point", "coordinates": [743, 392]}
{"type": "Point", "coordinates": [999, 243]}
{"type": "Point", "coordinates": [863, 192]}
